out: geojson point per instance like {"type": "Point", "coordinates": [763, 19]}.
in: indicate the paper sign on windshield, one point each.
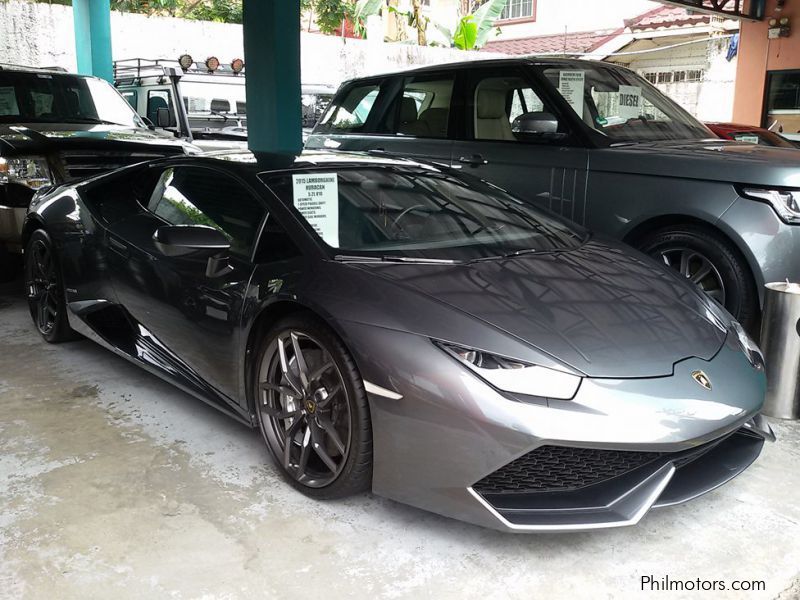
{"type": "Point", "coordinates": [8, 101]}
{"type": "Point", "coordinates": [570, 85]}
{"type": "Point", "coordinates": [316, 196]}
{"type": "Point", "coordinates": [630, 102]}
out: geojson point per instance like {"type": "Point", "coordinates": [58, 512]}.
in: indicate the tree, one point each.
{"type": "Point", "coordinates": [225, 11]}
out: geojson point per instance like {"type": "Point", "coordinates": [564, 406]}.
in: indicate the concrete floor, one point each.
{"type": "Point", "coordinates": [115, 485]}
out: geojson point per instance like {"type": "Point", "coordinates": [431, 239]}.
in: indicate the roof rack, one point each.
{"type": "Point", "coordinates": [138, 68]}
{"type": "Point", "coordinates": [13, 67]}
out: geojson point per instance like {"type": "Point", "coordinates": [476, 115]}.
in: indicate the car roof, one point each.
{"type": "Point", "coordinates": [495, 62]}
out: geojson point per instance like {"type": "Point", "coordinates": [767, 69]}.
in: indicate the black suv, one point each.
{"type": "Point", "coordinates": [58, 127]}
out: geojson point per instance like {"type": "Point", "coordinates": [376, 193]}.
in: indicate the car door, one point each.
{"type": "Point", "coordinates": [546, 166]}
{"type": "Point", "coordinates": [188, 307]}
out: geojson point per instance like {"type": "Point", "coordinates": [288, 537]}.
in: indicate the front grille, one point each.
{"type": "Point", "coordinates": [556, 468]}
{"type": "Point", "coordinates": [88, 163]}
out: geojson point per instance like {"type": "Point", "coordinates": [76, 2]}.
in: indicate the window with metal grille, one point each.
{"type": "Point", "coordinates": [518, 9]}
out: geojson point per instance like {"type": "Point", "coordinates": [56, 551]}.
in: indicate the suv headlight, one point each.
{"type": "Point", "coordinates": [30, 171]}
{"type": "Point", "coordinates": [514, 376]}
{"type": "Point", "coordinates": [748, 346]}
{"type": "Point", "coordinates": [785, 202]}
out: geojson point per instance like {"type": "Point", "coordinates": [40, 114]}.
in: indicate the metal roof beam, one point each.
{"type": "Point", "coordinates": [733, 9]}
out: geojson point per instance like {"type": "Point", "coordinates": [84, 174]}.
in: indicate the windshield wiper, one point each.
{"type": "Point", "coordinates": [511, 255]}
{"type": "Point", "coordinates": [395, 259]}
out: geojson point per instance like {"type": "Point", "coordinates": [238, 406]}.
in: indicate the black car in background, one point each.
{"type": "Point", "coordinates": [58, 127]}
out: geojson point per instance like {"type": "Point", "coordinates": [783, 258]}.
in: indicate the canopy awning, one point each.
{"type": "Point", "coordinates": [735, 9]}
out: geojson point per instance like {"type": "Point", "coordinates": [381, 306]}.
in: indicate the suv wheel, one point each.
{"type": "Point", "coordinates": [710, 261]}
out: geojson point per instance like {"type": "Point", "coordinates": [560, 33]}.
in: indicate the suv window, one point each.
{"type": "Point", "coordinates": [44, 97]}
{"type": "Point", "coordinates": [159, 99]}
{"type": "Point", "coordinates": [507, 108]}
{"type": "Point", "coordinates": [199, 196]}
{"type": "Point", "coordinates": [424, 109]}
{"type": "Point", "coordinates": [349, 112]}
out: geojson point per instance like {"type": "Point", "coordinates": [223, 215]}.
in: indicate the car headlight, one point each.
{"type": "Point", "coordinates": [748, 346]}
{"type": "Point", "coordinates": [30, 171]}
{"type": "Point", "coordinates": [514, 376]}
{"type": "Point", "coordinates": [785, 202]}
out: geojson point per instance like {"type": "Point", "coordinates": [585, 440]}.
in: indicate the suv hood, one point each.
{"type": "Point", "coordinates": [709, 160]}
{"type": "Point", "coordinates": [48, 137]}
{"type": "Point", "coordinates": [603, 310]}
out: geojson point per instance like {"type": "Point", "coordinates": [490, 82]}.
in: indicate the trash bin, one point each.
{"type": "Point", "coordinates": [780, 343]}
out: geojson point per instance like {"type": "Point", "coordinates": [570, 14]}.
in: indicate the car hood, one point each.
{"type": "Point", "coordinates": [709, 160]}
{"type": "Point", "coordinates": [47, 137]}
{"type": "Point", "coordinates": [603, 310]}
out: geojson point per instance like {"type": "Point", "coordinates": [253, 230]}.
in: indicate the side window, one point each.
{"type": "Point", "coordinates": [349, 112]}
{"type": "Point", "coordinates": [507, 108]}
{"type": "Point", "coordinates": [159, 99]}
{"type": "Point", "coordinates": [424, 109]}
{"type": "Point", "coordinates": [199, 196]}
{"type": "Point", "coordinates": [132, 96]}
{"type": "Point", "coordinates": [275, 244]}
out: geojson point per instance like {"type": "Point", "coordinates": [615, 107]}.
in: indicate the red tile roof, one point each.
{"type": "Point", "coordinates": [565, 43]}
{"type": "Point", "coordinates": [588, 41]}
{"type": "Point", "coordinates": [666, 16]}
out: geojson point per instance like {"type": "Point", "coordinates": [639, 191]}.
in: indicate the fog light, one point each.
{"type": "Point", "coordinates": [185, 61]}
{"type": "Point", "coordinates": [212, 64]}
{"type": "Point", "coordinates": [237, 65]}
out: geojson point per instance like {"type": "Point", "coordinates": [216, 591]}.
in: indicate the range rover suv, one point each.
{"type": "Point", "coordinates": [57, 127]}
{"type": "Point", "coordinates": [599, 145]}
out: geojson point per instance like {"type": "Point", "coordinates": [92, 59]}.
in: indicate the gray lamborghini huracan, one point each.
{"type": "Point", "coordinates": [403, 328]}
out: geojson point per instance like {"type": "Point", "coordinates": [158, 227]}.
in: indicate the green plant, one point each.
{"type": "Point", "coordinates": [362, 11]}
{"type": "Point", "coordinates": [472, 30]}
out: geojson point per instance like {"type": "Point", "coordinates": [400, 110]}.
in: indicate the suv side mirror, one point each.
{"type": "Point", "coordinates": [163, 119]}
{"type": "Point", "coordinates": [536, 125]}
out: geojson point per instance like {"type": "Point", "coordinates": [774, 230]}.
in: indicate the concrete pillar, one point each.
{"type": "Point", "coordinates": [272, 67]}
{"type": "Point", "coordinates": [93, 37]}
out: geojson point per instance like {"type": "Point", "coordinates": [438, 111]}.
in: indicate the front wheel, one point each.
{"type": "Point", "coordinates": [312, 409]}
{"type": "Point", "coordinates": [711, 262]}
{"type": "Point", "coordinates": [45, 290]}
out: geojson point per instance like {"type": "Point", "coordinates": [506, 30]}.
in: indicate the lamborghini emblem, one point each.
{"type": "Point", "coordinates": [702, 379]}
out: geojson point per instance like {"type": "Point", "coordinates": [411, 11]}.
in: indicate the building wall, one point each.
{"type": "Point", "coordinates": [554, 16]}
{"type": "Point", "coordinates": [711, 98]}
{"type": "Point", "coordinates": [758, 54]}
{"type": "Point", "coordinates": [40, 34]}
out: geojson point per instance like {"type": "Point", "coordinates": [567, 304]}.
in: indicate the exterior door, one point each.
{"type": "Point", "coordinates": [544, 167]}
{"type": "Point", "coordinates": [194, 315]}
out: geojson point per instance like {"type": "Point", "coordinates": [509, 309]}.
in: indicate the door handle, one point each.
{"type": "Point", "coordinates": [476, 160]}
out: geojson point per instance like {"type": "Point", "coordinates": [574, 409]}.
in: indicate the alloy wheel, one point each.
{"type": "Point", "coordinates": [696, 268]}
{"type": "Point", "coordinates": [304, 409]}
{"type": "Point", "coordinates": [43, 287]}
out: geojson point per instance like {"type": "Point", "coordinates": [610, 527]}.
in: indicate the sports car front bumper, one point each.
{"type": "Point", "coordinates": [446, 441]}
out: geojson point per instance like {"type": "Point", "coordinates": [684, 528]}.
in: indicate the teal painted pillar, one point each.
{"type": "Point", "coordinates": [272, 75]}
{"type": "Point", "coordinates": [93, 37]}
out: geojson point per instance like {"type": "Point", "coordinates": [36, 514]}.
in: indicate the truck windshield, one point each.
{"type": "Point", "coordinates": [55, 98]}
{"type": "Point", "coordinates": [623, 106]}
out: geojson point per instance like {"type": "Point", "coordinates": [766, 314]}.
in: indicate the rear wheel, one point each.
{"type": "Point", "coordinates": [710, 261]}
{"type": "Point", "coordinates": [312, 409]}
{"type": "Point", "coordinates": [45, 290]}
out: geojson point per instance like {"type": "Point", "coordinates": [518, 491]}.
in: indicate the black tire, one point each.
{"type": "Point", "coordinates": [45, 290]}
{"type": "Point", "coordinates": [276, 398]}
{"type": "Point", "coordinates": [738, 294]}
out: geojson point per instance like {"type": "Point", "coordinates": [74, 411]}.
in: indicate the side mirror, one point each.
{"type": "Point", "coordinates": [190, 240]}
{"type": "Point", "coordinates": [535, 123]}
{"type": "Point", "coordinates": [163, 119]}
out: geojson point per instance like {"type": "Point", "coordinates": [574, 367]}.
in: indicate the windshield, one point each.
{"type": "Point", "coordinates": [55, 98]}
{"type": "Point", "coordinates": [623, 106]}
{"type": "Point", "coordinates": [418, 212]}
{"type": "Point", "coordinates": [213, 97]}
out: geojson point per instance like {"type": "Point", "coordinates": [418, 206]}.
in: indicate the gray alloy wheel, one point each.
{"type": "Point", "coordinates": [304, 408]}
{"type": "Point", "coordinates": [696, 268]}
